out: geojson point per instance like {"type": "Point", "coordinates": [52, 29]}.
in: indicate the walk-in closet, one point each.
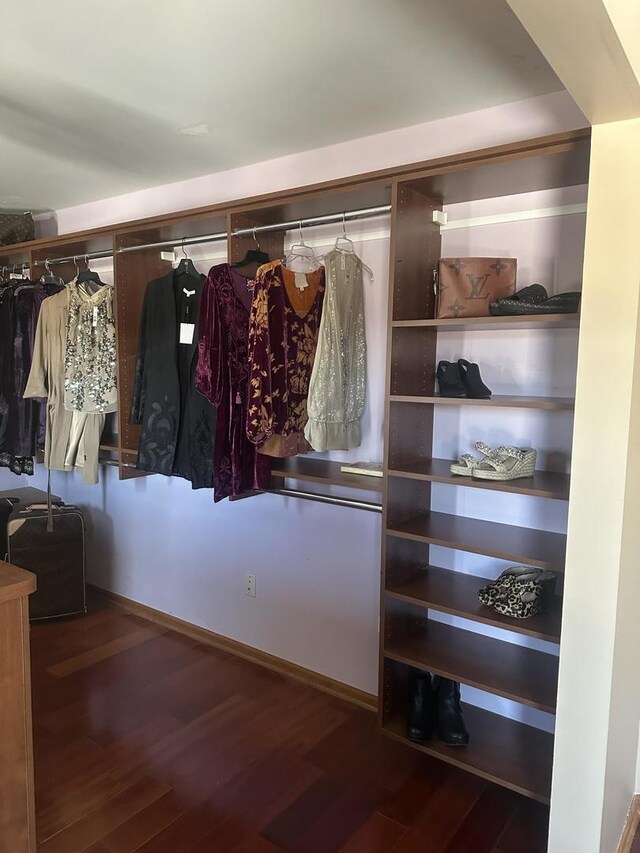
{"type": "Point", "coordinates": [317, 461]}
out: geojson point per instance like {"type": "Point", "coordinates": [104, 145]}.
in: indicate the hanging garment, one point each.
{"type": "Point", "coordinates": [90, 356]}
{"type": "Point", "coordinates": [24, 424]}
{"type": "Point", "coordinates": [283, 334]}
{"type": "Point", "coordinates": [338, 380]}
{"type": "Point", "coordinates": [222, 377]}
{"type": "Point", "coordinates": [72, 438]}
{"type": "Point", "coordinates": [178, 424]}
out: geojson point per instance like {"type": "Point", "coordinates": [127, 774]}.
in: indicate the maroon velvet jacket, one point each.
{"type": "Point", "coordinates": [222, 377]}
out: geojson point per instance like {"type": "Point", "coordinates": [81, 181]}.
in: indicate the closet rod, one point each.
{"type": "Point", "coordinates": [326, 499]}
{"type": "Point", "coordinates": [347, 215]}
{"type": "Point", "coordinates": [90, 256]}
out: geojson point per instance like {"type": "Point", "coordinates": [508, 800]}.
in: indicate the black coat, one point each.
{"type": "Point", "coordinates": [178, 424]}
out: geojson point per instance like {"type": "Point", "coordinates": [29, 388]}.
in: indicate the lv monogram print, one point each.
{"type": "Point", "coordinates": [466, 286]}
{"type": "Point", "coordinates": [477, 285]}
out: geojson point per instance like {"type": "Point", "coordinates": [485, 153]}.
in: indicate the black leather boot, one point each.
{"type": "Point", "coordinates": [421, 716]}
{"type": "Point", "coordinates": [451, 728]}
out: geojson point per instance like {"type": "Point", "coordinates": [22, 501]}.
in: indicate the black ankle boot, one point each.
{"type": "Point", "coordinates": [451, 728]}
{"type": "Point", "coordinates": [420, 721]}
{"type": "Point", "coordinates": [472, 381]}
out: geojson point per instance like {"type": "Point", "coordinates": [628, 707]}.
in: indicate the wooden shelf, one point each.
{"type": "Point", "coordinates": [478, 324]}
{"type": "Point", "coordinates": [323, 471]}
{"type": "Point", "coordinates": [543, 484]}
{"type": "Point", "coordinates": [503, 541]}
{"type": "Point", "coordinates": [501, 750]}
{"type": "Point", "coordinates": [457, 593]}
{"type": "Point", "coordinates": [514, 672]}
{"type": "Point", "coordinates": [499, 400]}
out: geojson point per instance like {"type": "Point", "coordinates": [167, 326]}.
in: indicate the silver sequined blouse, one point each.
{"type": "Point", "coordinates": [90, 357]}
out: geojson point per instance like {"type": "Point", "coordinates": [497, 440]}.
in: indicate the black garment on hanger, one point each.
{"type": "Point", "coordinates": [22, 424]}
{"type": "Point", "coordinates": [178, 424]}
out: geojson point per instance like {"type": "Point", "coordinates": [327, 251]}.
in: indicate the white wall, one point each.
{"type": "Point", "coordinates": [317, 567]}
{"type": "Point", "coordinates": [599, 695]}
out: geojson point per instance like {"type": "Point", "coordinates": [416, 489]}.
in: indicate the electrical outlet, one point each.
{"type": "Point", "coordinates": [250, 584]}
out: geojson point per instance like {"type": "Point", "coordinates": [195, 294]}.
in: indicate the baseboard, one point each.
{"type": "Point", "coordinates": [284, 667]}
{"type": "Point", "coordinates": [631, 826]}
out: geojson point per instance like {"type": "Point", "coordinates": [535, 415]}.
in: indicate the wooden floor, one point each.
{"type": "Point", "coordinates": [146, 740]}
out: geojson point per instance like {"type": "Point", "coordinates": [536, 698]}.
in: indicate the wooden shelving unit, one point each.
{"type": "Point", "coordinates": [415, 593]}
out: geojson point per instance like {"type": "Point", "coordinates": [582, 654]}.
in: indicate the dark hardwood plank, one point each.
{"type": "Point", "coordinates": [442, 814]}
{"type": "Point", "coordinates": [457, 593]}
{"type": "Point", "coordinates": [543, 484]}
{"type": "Point", "coordinates": [485, 822]}
{"type": "Point", "coordinates": [102, 820]}
{"type": "Point", "coordinates": [504, 541]}
{"type": "Point", "coordinates": [377, 835]}
{"type": "Point", "coordinates": [527, 831]}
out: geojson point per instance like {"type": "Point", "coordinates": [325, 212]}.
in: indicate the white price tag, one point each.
{"type": "Point", "coordinates": [301, 281]}
{"type": "Point", "coordinates": [186, 332]}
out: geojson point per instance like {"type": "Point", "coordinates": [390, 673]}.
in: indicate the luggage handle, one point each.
{"type": "Point", "coordinates": [32, 507]}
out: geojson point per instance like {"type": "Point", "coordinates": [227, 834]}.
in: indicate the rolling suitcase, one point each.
{"type": "Point", "coordinates": [56, 557]}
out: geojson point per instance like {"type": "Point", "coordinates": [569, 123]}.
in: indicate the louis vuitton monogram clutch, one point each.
{"type": "Point", "coordinates": [466, 286]}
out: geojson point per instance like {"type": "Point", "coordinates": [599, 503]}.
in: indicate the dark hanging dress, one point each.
{"type": "Point", "coordinates": [178, 424]}
{"type": "Point", "coordinates": [283, 337]}
{"type": "Point", "coordinates": [23, 428]}
{"type": "Point", "coordinates": [222, 377]}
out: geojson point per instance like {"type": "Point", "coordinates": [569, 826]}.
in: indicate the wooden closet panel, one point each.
{"type": "Point", "coordinates": [17, 815]}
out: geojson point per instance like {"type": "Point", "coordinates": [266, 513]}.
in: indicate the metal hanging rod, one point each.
{"type": "Point", "coordinates": [346, 216]}
{"type": "Point", "coordinates": [327, 499]}
{"type": "Point", "coordinates": [85, 256]}
{"type": "Point", "coordinates": [343, 216]}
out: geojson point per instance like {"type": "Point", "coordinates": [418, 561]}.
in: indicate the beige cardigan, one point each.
{"type": "Point", "coordinates": [72, 438]}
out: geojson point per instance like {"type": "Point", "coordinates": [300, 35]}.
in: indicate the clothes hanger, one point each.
{"type": "Point", "coordinates": [253, 256]}
{"type": "Point", "coordinates": [307, 254]}
{"type": "Point", "coordinates": [352, 249]}
{"type": "Point", "coordinates": [48, 277]}
{"type": "Point", "coordinates": [186, 265]}
{"type": "Point", "coordinates": [88, 277]}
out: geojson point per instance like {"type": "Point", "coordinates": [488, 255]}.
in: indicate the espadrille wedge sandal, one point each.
{"type": "Point", "coordinates": [509, 463]}
{"type": "Point", "coordinates": [467, 463]}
